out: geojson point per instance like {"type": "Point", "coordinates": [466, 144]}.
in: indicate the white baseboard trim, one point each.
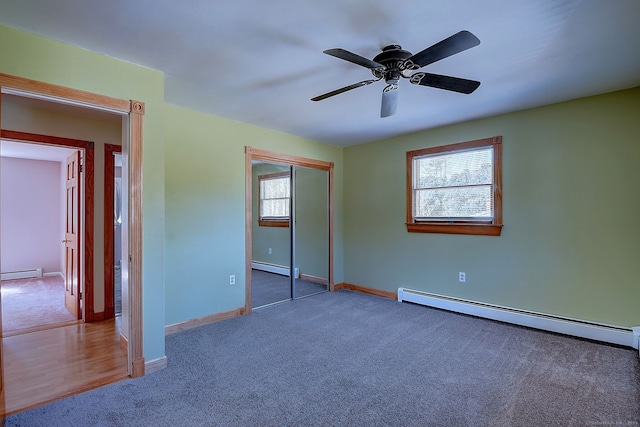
{"type": "Point", "coordinates": [273, 268]}
{"type": "Point", "coordinates": [595, 331]}
{"type": "Point", "coordinates": [22, 274]}
{"type": "Point", "coordinates": [55, 273]}
{"type": "Point", "coordinates": [155, 365]}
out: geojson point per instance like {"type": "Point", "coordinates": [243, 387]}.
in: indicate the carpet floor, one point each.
{"type": "Point", "coordinates": [349, 359]}
{"type": "Point", "coordinates": [27, 303]}
{"type": "Point", "coordinates": [268, 288]}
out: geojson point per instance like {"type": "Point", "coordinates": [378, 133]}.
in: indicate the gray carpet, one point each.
{"type": "Point", "coordinates": [27, 303]}
{"type": "Point", "coordinates": [268, 288]}
{"type": "Point", "coordinates": [348, 359]}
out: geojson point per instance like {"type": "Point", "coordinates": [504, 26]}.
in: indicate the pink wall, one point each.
{"type": "Point", "coordinates": [30, 215]}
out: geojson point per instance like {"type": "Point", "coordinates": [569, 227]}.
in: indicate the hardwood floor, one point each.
{"type": "Point", "coordinates": [43, 366]}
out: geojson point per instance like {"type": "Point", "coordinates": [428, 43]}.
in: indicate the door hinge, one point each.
{"type": "Point", "coordinates": [80, 296]}
{"type": "Point", "coordinates": [80, 168]}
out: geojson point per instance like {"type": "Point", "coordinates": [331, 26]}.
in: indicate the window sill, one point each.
{"type": "Point", "coordinates": [472, 229]}
{"type": "Point", "coordinates": [273, 223]}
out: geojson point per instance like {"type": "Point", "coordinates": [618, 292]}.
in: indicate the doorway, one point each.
{"type": "Point", "coordinates": [33, 224]}
{"type": "Point", "coordinates": [70, 235]}
{"type": "Point", "coordinates": [289, 227]}
{"type": "Point", "coordinates": [131, 113]}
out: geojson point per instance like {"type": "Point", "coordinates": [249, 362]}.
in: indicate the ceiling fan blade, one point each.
{"type": "Point", "coordinates": [450, 46]}
{"type": "Point", "coordinates": [352, 57]}
{"type": "Point", "coordinates": [389, 100]}
{"type": "Point", "coordinates": [454, 84]}
{"type": "Point", "coordinates": [343, 89]}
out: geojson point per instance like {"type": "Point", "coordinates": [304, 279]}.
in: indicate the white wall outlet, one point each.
{"type": "Point", "coordinates": [232, 279]}
{"type": "Point", "coordinates": [269, 251]}
{"type": "Point", "coordinates": [462, 276]}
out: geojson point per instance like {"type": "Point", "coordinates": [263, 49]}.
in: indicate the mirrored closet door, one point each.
{"type": "Point", "coordinates": [290, 232]}
{"type": "Point", "coordinates": [271, 233]}
{"type": "Point", "coordinates": [310, 231]}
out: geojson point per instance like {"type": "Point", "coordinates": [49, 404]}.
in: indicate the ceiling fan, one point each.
{"type": "Point", "coordinates": [394, 62]}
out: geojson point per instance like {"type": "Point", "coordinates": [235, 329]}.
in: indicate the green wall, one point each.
{"type": "Point", "coordinates": [571, 238]}
{"type": "Point", "coordinates": [205, 212]}
{"type": "Point", "coordinates": [202, 194]}
{"type": "Point", "coordinates": [35, 57]}
{"type": "Point", "coordinates": [570, 243]}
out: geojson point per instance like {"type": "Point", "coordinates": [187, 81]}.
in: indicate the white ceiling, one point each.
{"type": "Point", "coordinates": [260, 62]}
{"type": "Point", "coordinates": [20, 150]}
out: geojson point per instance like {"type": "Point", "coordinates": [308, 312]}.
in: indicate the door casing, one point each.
{"type": "Point", "coordinates": [134, 113]}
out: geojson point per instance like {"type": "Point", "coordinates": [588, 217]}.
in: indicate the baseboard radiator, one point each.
{"type": "Point", "coordinates": [23, 274]}
{"type": "Point", "coordinates": [599, 332]}
{"type": "Point", "coordinates": [273, 268]}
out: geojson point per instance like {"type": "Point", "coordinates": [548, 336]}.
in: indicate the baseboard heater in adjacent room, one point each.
{"type": "Point", "coordinates": [590, 330]}
{"type": "Point", "coordinates": [23, 274]}
{"type": "Point", "coordinates": [273, 268]}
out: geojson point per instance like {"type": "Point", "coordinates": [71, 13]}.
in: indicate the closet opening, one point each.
{"type": "Point", "coordinates": [289, 226]}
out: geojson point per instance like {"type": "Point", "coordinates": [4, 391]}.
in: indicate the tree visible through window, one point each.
{"type": "Point", "coordinates": [456, 188]}
{"type": "Point", "coordinates": [274, 193]}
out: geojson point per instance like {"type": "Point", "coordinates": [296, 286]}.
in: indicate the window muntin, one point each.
{"type": "Point", "coordinates": [456, 188]}
{"type": "Point", "coordinates": [274, 195]}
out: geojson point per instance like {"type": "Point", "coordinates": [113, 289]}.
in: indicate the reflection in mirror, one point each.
{"type": "Point", "coordinates": [311, 231]}
{"type": "Point", "coordinates": [270, 236]}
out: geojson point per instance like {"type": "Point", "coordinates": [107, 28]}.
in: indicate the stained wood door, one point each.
{"type": "Point", "coordinates": [72, 236]}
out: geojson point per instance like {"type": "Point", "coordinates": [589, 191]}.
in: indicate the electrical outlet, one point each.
{"type": "Point", "coordinates": [232, 279]}
{"type": "Point", "coordinates": [462, 276]}
{"type": "Point", "coordinates": [269, 251]}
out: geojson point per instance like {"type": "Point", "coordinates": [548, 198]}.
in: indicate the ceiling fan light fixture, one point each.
{"type": "Point", "coordinates": [389, 104]}
{"type": "Point", "coordinates": [393, 85]}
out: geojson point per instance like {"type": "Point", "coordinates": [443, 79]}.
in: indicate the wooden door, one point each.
{"type": "Point", "coordinates": [72, 236]}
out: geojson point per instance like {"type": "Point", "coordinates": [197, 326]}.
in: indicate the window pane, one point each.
{"type": "Point", "coordinates": [465, 202]}
{"type": "Point", "coordinates": [456, 188]}
{"type": "Point", "coordinates": [275, 188]}
{"type": "Point", "coordinates": [454, 169]}
{"type": "Point", "coordinates": [275, 208]}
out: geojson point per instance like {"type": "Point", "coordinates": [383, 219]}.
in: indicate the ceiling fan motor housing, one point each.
{"type": "Point", "coordinates": [393, 57]}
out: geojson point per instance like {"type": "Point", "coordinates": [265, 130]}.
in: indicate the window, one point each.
{"type": "Point", "coordinates": [274, 199]}
{"type": "Point", "coordinates": [456, 189]}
